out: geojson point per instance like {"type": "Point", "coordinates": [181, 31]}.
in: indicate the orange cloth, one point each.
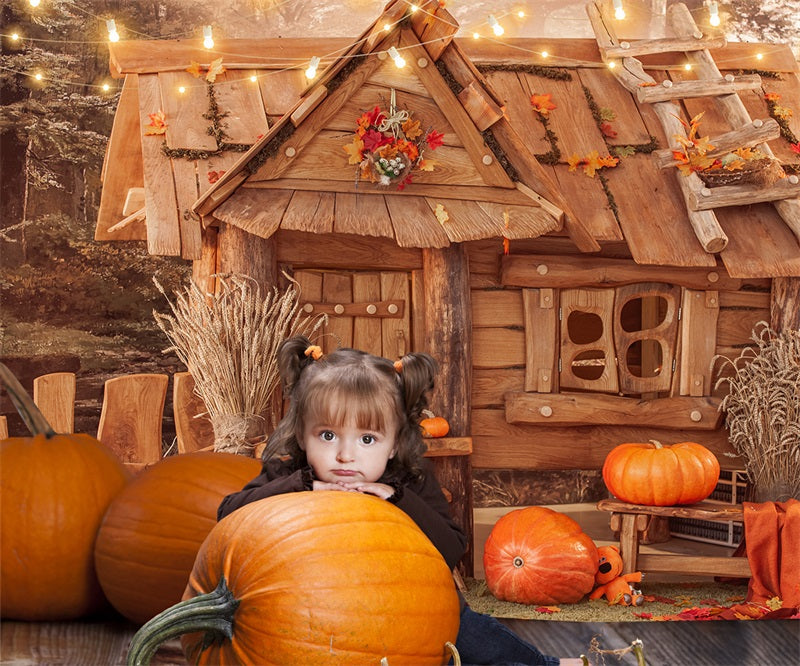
{"type": "Point", "coordinates": [772, 537]}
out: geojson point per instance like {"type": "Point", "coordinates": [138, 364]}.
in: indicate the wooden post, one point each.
{"type": "Point", "coordinates": [247, 254]}
{"type": "Point", "coordinates": [784, 304]}
{"type": "Point", "coordinates": [448, 337]}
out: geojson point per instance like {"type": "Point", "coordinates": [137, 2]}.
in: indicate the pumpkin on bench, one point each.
{"type": "Point", "coordinates": [652, 481]}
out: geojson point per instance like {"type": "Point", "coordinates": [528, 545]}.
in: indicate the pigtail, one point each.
{"type": "Point", "coordinates": [417, 372]}
{"type": "Point", "coordinates": [292, 360]}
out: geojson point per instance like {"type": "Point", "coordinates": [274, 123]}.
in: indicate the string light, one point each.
{"type": "Point", "coordinates": [181, 89]}
{"type": "Point", "coordinates": [34, 3]}
{"type": "Point", "coordinates": [713, 13]}
{"type": "Point", "coordinates": [759, 56]}
{"type": "Point", "coordinates": [611, 64]}
{"type": "Point", "coordinates": [688, 67]}
{"type": "Point", "coordinates": [106, 87]}
{"type": "Point", "coordinates": [14, 36]}
{"type": "Point", "coordinates": [398, 59]}
{"type": "Point", "coordinates": [495, 25]}
{"type": "Point", "coordinates": [414, 8]}
{"type": "Point", "coordinates": [253, 78]}
{"type": "Point", "coordinates": [113, 35]}
{"type": "Point", "coordinates": [311, 72]}
{"type": "Point", "coordinates": [476, 35]}
{"type": "Point", "coordinates": [208, 37]}
{"type": "Point", "coordinates": [619, 11]}
{"type": "Point", "coordinates": [387, 27]}
{"type": "Point", "coordinates": [545, 54]}
{"type": "Point", "coordinates": [38, 76]}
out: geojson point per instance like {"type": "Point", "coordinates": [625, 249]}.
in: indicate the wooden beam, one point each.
{"type": "Point", "coordinates": [581, 409]}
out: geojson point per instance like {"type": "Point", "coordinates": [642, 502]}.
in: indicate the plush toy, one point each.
{"type": "Point", "coordinates": [612, 583]}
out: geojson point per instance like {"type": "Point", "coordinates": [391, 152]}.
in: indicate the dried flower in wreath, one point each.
{"type": "Point", "coordinates": [388, 146]}
{"type": "Point", "coordinates": [762, 410]}
{"type": "Point", "coordinates": [229, 343]}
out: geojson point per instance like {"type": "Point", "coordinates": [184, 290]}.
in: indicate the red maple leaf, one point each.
{"type": "Point", "coordinates": [608, 130]}
{"type": "Point", "coordinates": [214, 176]}
{"type": "Point", "coordinates": [434, 139]}
{"type": "Point", "coordinates": [644, 616]}
{"type": "Point", "coordinates": [375, 117]}
{"type": "Point", "coordinates": [373, 140]}
{"type": "Point", "coordinates": [795, 147]}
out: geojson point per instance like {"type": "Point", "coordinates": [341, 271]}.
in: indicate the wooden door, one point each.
{"type": "Point", "coordinates": [366, 310]}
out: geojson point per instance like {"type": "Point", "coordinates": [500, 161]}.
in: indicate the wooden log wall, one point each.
{"type": "Point", "coordinates": [499, 350]}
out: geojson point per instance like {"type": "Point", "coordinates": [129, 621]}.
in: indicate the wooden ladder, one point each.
{"type": "Point", "coordinates": [700, 199]}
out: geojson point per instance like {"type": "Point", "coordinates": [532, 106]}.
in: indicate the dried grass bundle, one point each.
{"type": "Point", "coordinates": [763, 411]}
{"type": "Point", "coordinates": [229, 344]}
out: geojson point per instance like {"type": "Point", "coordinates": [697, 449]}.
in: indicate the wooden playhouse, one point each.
{"type": "Point", "coordinates": [573, 304]}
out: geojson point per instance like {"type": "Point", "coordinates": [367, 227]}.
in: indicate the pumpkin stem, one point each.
{"type": "Point", "coordinates": [656, 443]}
{"type": "Point", "coordinates": [211, 612]}
{"type": "Point", "coordinates": [24, 404]}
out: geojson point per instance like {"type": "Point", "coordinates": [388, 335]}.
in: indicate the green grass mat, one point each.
{"type": "Point", "coordinates": [663, 601]}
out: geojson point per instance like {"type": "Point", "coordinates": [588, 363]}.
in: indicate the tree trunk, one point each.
{"type": "Point", "coordinates": [448, 338]}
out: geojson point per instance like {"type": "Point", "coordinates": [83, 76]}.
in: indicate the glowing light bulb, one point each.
{"type": "Point", "coordinates": [398, 59]}
{"type": "Point", "coordinates": [476, 35]}
{"type": "Point", "coordinates": [497, 29]}
{"type": "Point", "coordinates": [208, 37]}
{"type": "Point", "coordinates": [387, 27]}
{"type": "Point", "coordinates": [619, 11]}
{"type": "Point", "coordinates": [106, 87]}
{"type": "Point", "coordinates": [34, 3]}
{"type": "Point", "coordinates": [14, 36]}
{"type": "Point", "coordinates": [612, 64]}
{"type": "Point", "coordinates": [713, 13]}
{"type": "Point", "coordinates": [545, 54]}
{"type": "Point", "coordinates": [688, 67]}
{"type": "Point", "coordinates": [113, 35]}
{"type": "Point", "coordinates": [414, 8]}
{"type": "Point", "coordinates": [181, 89]}
{"type": "Point", "coordinates": [38, 76]}
{"type": "Point", "coordinates": [521, 14]}
{"type": "Point", "coordinates": [253, 78]}
{"type": "Point", "coordinates": [311, 72]}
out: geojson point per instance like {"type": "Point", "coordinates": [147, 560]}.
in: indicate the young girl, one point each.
{"type": "Point", "coordinates": [352, 426]}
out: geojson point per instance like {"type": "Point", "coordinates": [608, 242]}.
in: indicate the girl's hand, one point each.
{"type": "Point", "coordinates": [382, 490]}
{"type": "Point", "coordinates": [324, 485]}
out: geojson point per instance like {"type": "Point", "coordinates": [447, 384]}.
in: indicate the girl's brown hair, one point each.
{"type": "Point", "coordinates": [352, 383]}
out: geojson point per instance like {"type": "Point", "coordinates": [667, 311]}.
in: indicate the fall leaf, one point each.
{"type": "Point", "coordinates": [607, 114]}
{"type": "Point", "coordinates": [215, 69]}
{"type": "Point", "coordinates": [354, 150]}
{"type": "Point", "coordinates": [542, 104]}
{"type": "Point", "coordinates": [426, 165]}
{"type": "Point", "coordinates": [644, 616]}
{"type": "Point", "coordinates": [434, 139]}
{"type": "Point", "coordinates": [647, 84]}
{"type": "Point", "coordinates": [772, 97]}
{"type": "Point", "coordinates": [795, 147]}
{"type": "Point", "coordinates": [411, 129]}
{"type": "Point", "coordinates": [375, 117]}
{"type": "Point", "coordinates": [441, 214]}
{"type": "Point", "coordinates": [548, 610]}
{"type": "Point", "coordinates": [592, 162]}
{"type": "Point", "coordinates": [607, 130]}
{"type": "Point", "coordinates": [373, 139]}
{"type": "Point", "coordinates": [775, 603]}
{"type": "Point", "coordinates": [195, 69]}
{"type": "Point", "coordinates": [574, 161]}
{"type": "Point", "coordinates": [506, 245]}
{"type": "Point", "coordinates": [782, 112]}
{"type": "Point", "coordinates": [214, 176]}
{"type": "Point", "coordinates": [624, 151]}
{"type": "Point", "coordinates": [157, 124]}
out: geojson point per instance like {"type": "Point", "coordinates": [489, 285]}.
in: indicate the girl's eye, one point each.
{"type": "Point", "coordinates": [328, 435]}
{"type": "Point", "coordinates": [367, 439]}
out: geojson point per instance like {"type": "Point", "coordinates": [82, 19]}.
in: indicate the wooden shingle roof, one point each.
{"type": "Point", "coordinates": [286, 168]}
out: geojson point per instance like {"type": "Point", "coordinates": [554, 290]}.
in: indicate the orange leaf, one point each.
{"type": "Point", "coordinates": [574, 161]}
{"type": "Point", "coordinates": [548, 610]}
{"type": "Point", "coordinates": [157, 124]}
{"type": "Point", "coordinates": [215, 70]}
{"type": "Point", "coordinates": [411, 129]}
{"type": "Point", "coordinates": [542, 103]}
{"type": "Point", "coordinates": [195, 69]}
{"type": "Point", "coordinates": [354, 150]}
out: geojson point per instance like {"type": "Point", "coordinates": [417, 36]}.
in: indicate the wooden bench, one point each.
{"type": "Point", "coordinates": [632, 519]}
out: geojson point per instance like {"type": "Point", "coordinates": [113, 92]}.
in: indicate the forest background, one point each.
{"type": "Point", "coordinates": [68, 303]}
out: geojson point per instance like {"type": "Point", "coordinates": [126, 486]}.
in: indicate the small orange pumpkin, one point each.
{"type": "Point", "coordinates": [319, 577]}
{"type": "Point", "coordinates": [656, 475]}
{"type": "Point", "coordinates": [434, 426]}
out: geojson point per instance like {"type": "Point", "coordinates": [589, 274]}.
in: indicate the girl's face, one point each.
{"type": "Point", "coordinates": [347, 453]}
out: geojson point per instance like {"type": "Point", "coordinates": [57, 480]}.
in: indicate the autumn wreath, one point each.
{"type": "Point", "coordinates": [388, 146]}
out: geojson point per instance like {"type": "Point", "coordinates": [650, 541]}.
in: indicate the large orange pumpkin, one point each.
{"type": "Point", "coordinates": [308, 578]}
{"type": "Point", "coordinates": [54, 490]}
{"type": "Point", "coordinates": [152, 531]}
{"type": "Point", "coordinates": [656, 475]}
{"type": "Point", "coordinates": [539, 556]}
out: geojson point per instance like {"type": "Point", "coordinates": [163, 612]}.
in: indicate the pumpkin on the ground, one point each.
{"type": "Point", "coordinates": [537, 555]}
{"type": "Point", "coordinates": [54, 490]}
{"type": "Point", "coordinates": [321, 577]}
{"type": "Point", "coordinates": [152, 531]}
{"type": "Point", "coordinates": [656, 475]}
